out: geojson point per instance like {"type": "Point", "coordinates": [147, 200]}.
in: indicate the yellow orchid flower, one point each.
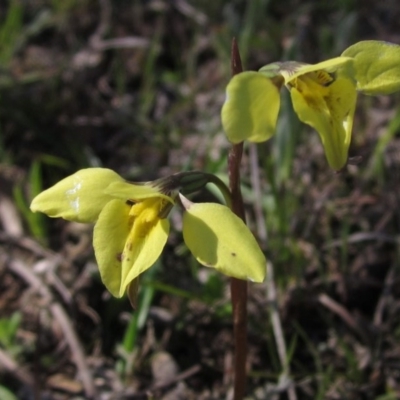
{"type": "Point", "coordinates": [323, 95]}
{"type": "Point", "coordinates": [319, 98]}
{"type": "Point", "coordinates": [129, 234]}
{"type": "Point", "coordinates": [131, 226]}
{"type": "Point", "coordinates": [325, 102]}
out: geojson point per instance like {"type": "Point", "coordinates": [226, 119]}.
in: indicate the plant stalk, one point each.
{"type": "Point", "coordinates": [238, 287]}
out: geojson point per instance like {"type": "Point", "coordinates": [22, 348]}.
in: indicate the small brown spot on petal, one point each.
{"type": "Point", "coordinates": [120, 257]}
{"type": "Point", "coordinates": [233, 254]}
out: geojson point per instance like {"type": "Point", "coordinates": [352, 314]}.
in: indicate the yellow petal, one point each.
{"type": "Point", "coordinates": [79, 197]}
{"type": "Point", "coordinates": [271, 70]}
{"type": "Point", "coordinates": [121, 256]}
{"type": "Point", "coordinates": [221, 240]}
{"type": "Point", "coordinates": [291, 69]}
{"type": "Point", "coordinates": [141, 252]}
{"type": "Point", "coordinates": [376, 66]}
{"type": "Point", "coordinates": [251, 108]}
{"type": "Point", "coordinates": [109, 237]}
{"type": "Point", "coordinates": [131, 191]}
{"type": "Point", "coordinates": [329, 110]}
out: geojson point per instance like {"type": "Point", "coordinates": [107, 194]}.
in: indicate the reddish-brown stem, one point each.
{"type": "Point", "coordinates": [238, 287]}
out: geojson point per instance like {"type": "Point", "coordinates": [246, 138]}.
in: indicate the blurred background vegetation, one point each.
{"type": "Point", "coordinates": [137, 86]}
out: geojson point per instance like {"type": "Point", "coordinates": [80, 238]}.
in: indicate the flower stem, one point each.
{"type": "Point", "coordinates": [238, 287]}
{"type": "Point", "coordinates": [222, 188]}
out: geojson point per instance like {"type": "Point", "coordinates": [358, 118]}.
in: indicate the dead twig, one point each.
{"type": "Point", "coordinates": [271, 288]}
{"type": "Point", "coordinates": [27, 244]}
{"type": "Point", "coordinates": [384, 298]}
{"type": "Point", "coordinates": [179, 377]}
{"type": "Point", "coordinates": [62, 318]}
{"type": "Point", "coordinates": [189, 11]}
{"type": "Point", "coordinates": [47, 265]}
{"type": "Point", "coordinates": [342, 312]}
{"type": "Point", "coordinates": [76, 348]}
{"type": "Point", "coordinates": [7, 362]}
{"type": "Point", "coordinates": [10, 218]}
{"type": "Point", "coordinates": [363, 237]}
{"type": "Point", "coordinates": [278, 331]}
{"type": "Point", "coordinates": [97, 42]}
{"type": "Point", "coordinates": [128, 42]}
{"type": "Point", "coordinates": [257, 190]}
